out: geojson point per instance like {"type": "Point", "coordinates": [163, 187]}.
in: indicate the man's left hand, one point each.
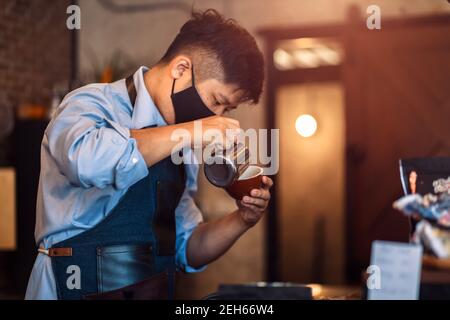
{"type": "Point", "coordinates": [251, 208]}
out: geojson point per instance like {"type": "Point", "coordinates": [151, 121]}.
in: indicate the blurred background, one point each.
{"type": "Point", "coordinates": [349, 103]}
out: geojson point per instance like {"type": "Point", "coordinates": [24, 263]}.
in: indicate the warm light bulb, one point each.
{"type": "Point", "coordinates": [306, 125]}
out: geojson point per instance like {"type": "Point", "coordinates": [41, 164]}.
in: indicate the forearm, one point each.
{"type": "Point", "coordinates": [158, 143]}
{"type": "Point", "coordinates": [211, 240]}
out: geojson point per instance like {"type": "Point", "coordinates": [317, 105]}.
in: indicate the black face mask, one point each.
{"type": "Point", "coordinates": [188, 104]}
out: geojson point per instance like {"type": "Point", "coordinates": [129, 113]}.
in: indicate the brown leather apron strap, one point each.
{"type": "Point", "coordinates": [57, 252]}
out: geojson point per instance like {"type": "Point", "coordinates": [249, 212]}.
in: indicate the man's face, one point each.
{"type": "Point", "coordinates": [219, 97]}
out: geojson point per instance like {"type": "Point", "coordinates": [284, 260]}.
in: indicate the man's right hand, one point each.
{"type": "Point", "coordinates": [215, 129]}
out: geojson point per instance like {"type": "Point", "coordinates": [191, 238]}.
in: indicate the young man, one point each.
{"type": "Point", "coordinates": [115, 216]}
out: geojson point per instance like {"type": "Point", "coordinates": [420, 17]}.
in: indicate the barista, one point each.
{"type": "Point", "coordinates": [115, 216]}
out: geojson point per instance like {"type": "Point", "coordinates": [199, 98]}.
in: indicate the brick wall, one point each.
{"type": "Point", "coordinates": [34, 49]}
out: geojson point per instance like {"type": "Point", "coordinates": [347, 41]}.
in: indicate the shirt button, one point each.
{"type": "Point", "coordinates": [134, 160]}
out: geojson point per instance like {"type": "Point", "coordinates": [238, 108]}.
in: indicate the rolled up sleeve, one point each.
{"type": "Point", "coordinates": [188, 217]}
{"type": "Point", "coordinates": [93, 150]}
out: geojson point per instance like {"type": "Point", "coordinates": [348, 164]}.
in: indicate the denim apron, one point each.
{"type": "Point", "coordinates": [135, 242]}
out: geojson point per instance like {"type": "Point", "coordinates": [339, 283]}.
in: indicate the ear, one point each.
{"type": "Point", "coordinates": [179, 66]}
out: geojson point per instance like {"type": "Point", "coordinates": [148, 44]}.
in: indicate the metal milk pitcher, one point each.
{"type": "Point", "coordinates": [226, 166]}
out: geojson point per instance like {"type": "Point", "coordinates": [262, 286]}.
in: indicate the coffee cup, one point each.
{"type": "Point", "coordinates": [250, 179]}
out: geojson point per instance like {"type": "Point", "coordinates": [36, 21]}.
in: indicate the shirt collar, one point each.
{"type": "Point", "coordinates": [145, 112]}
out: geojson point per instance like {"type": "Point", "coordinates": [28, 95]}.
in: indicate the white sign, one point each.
{"type": "Point", "coordinates": [394, 273]}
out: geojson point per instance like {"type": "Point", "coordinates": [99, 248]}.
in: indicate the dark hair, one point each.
{"type": "Point", "coordinates": [236, 50]}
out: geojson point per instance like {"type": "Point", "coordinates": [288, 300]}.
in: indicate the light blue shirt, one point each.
{"type": "Point", "coordinates": [88, 161]}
